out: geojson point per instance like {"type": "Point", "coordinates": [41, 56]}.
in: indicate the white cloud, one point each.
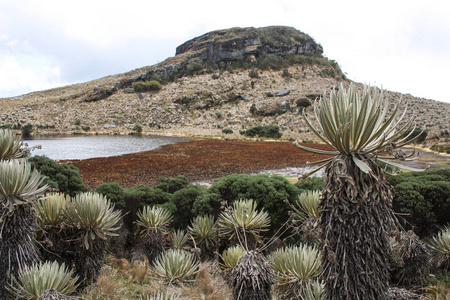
{"type": "Point", "coordinates": [404, 45]}
{"type": "Point", "coordinates": [16, 79]}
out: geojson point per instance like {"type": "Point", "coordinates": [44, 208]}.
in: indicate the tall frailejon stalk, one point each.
{"type": "Point", "coordinates": [20, 187]}
{"type": "Point", "coordinates": [356, 214]}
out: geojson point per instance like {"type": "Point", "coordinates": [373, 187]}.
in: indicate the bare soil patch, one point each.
{"type": "Point", "coordinates": [197, 159]}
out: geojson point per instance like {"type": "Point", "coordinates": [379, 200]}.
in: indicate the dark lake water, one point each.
{"type": "Point", "coordinates": [84, 147]}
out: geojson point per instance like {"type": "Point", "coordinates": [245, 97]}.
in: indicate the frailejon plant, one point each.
{"type": "Point", "coordinates": [154, 222]}
{"type": "Point", "coordinates": [244, 223]}
{"type": "Point", "coordinates": [176, 266]}
{"type": "Point", "coordinates": [11, 146]}
{"type": "Point", "coordinates": [231, 256]}
{"type": "Point", "coordinates": [357, 199]}
{"type": "Point", "coordinates": [32, 281]}
{"type": "Point", "coordinates": [305, 216]}
{"type": "Point", "coordinates": [295, 269]}
{"type": "Point", "coordinates": [76, 231]}
{"type": "Point", "coordinates": [179, 239]}
{"type": "Point", "coordinates": [204, 231]}
{"type": "Point", "coordinates": [20, 187]}
{"type": "Point", "coordinates": [440, 244]}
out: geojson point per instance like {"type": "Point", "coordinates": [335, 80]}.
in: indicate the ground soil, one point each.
{"type": "Point", "coordinates": [197, 159]}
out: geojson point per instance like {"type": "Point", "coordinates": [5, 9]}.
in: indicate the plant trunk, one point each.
{"type": "Point", "coordinates": [17, 248]}
{"type": "Point", "coordinates": [252, 278]}
{"type": "Point", "coordinates": [355, 219]}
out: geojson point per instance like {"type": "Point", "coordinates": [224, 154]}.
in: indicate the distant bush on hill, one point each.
{"type": "Point", "coordinates": [143, 86]}
{"type": "Point", "coordinates": [62, 177]}
{"type": "Point", "coordinates": [269, 131]}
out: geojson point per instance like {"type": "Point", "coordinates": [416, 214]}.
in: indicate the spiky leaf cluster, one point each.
{"type": "Point", "coordinates": [153, 219]}
{"type": "Point", "coordinates": [307, 205]}
{"type": "Point", "coordinates": [49, 209]}
{"type": "Point", "coordinates": [10, 145]}
{"type": "Point", "coordinates": [94, 215]}
{"type": "Point", "coordinates": [441, 246]}
{"type": "Point", "coordinates": [34, 280]}
{"type": "Point", "coordinates": [179, 239]}
{"type": "Point", "coordinates": [295, 269]}
{"type": "Point", "coordinates": [19, 184]}
{"type": "Point", "coordinates": [176, 266]}
{"type": "Point", "coordinates": [204, 231]}
{"type": "Point", "coordinates": [161, 296]}
{"type": "Point", "coordinates": [243, 219]}
{"type": "Point", "coordinates": [358, 125]}
{"type": "Point", "coordinates": [231, 256]}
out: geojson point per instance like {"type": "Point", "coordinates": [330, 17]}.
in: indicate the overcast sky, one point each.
{"type": "Point", "coordinates": [403, 46]}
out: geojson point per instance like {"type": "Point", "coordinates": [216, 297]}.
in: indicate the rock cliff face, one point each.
{"type": "Point", "coordinates": [233, 44]}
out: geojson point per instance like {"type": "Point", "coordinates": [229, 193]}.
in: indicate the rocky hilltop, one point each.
{"type": "Point", "coordinates": [231, 79]}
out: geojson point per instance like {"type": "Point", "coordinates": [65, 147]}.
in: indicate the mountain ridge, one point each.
{"type": "Point", "coordinates": [235, 78]}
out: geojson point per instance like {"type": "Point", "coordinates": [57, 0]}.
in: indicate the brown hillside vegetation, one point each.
{"type": "Point", "coordinates": [198, 159]}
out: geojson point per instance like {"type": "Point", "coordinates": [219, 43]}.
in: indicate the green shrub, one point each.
{"type": "Point", "coordinates": [143, 86]}
{"type": "Point", "coordinates": [114, 192]}
{"type": "Point", "coordinates": [303, 103]}
{"type": "Point", "coordinates": [269, 192]}
{"type": "Point", "coordinates": [63, 177]}
{"type": "Point", "coordinates": [253, 73]}
{"type": "Point", "coordinates": [172, 184]}
{"type": "Point", "coordinates": [227, 131]}
{"type": "Point", "coordinates": [422, 135]}
{"type": "Point", "coordinates": [218, 114]}
{"type": "Point", "coordinates": [184, 200]}
{"type": "Point", "coordinates": [424, 197]}
{"type": "Point", "coordinates": [285, 73]}
{"type": "Point", "coordinates": [310, 184]}
{"type": "Point", "coordinates": [269, 131]}
{"type": "Point", "coordinates": [26, 129]}
{"type": "Point", "coordinates": [86, 128]}
{"type": "Point", "coordinates": [137, 128]}
{"type": "Point", "coordinates": [194, 65]}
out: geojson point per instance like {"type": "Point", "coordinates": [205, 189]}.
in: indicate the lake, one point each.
{"type": "Point", "coordinates": [84, 147]}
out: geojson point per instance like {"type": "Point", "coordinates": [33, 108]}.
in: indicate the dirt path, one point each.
{"type": "Point", "coordinates": [198, 159]}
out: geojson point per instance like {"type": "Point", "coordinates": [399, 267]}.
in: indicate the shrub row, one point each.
{"type": "Point", "coordinates": [269, 131]}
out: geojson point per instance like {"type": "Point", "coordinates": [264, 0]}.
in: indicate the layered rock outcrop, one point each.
{"type": "Point", "coordinates": [233, 44]}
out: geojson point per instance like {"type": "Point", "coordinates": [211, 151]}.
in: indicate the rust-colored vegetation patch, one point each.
{"type": "Point", "coordinates": [198, 159]}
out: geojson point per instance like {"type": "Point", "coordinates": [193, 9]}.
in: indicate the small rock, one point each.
{"type": "Point", "coordinates": [129, 90]}
{"type": "Point", "coordinates": [215, 76]}
{"type": "Point", "coordinates": [269, 94]}
{"type": "Point", "coordinates": [245, 97]}
{"type": "Point", "coordinates": [142, 95]}
{"type": "Point", "coordinates": [119, 85]}
{"type": "Point", "coordinates": [283, 92]}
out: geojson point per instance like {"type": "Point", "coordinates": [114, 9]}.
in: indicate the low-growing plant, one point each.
{"type": "Point", "coordinates": [253, 73]}
{"type": "Point", "coordinates": [176, 266]}
{"type": "Point", "coordinates": [137, 128]}
{"type": "Point", "coordinates": [244, 223]}
{"type": "Point", "coordinates": [295, 268]}
{"type": "Point", "coordinates": [11, 146]}
{"type": "Point", "coordinates": [227, 131]}
{"type": "Point", "coordinates": [179, 239]}
{"type": "Point", "coordinates": [32, 281]}
{"type": "Point", "coordinates": [143, 86]}
{"type": "Point", "coordinates": [153, 222]}
{"type": "Point", "coordinates": [269, 131]}
{"type": "Point", "coordinates": [204, 231]}
{"type": "Point", "coordinates": [231, 256]}
{"type": "Point", "coordinates": [440, 244]}
{"type": "Point", "coordinates": [26, 129]}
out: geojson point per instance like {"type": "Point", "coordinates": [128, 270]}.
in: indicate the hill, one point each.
{"type": "Point", "coordinates": [236, 78]}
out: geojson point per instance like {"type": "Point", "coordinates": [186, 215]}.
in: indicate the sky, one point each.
{"type": "Point", "coordinates": [402, 46]}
